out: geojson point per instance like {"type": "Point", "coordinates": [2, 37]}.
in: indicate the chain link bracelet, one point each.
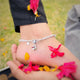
{"type": "Point", "coordinates": [35, 41]}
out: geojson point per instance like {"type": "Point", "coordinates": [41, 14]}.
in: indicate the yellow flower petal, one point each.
{"type": "Point", "coordinates": [63, 29]}
{"type": "Point", "coordinates": [56, 67]}
{"type": "Point", "coordinates": [28, 72]}
{"type": "Point", "coordinates": [28, 8]}
{"type": "Point", "coordinates": [36, 13]}
{"type": "Point", "coordinates": [4, 54]}
{"type": "Point", "coordinates": [2, 39]}
{"type": "Point", "coordinates": [27, 56]}
{"type": "Point", "coordinates": [6, 51]}
{"type": "Point", "coordinates": [46, 68]}
{"type": "Point", "coordinates": [41, 68]}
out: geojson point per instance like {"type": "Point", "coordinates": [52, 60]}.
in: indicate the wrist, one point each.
{"type": "Point", "coordinates": [34, 31]}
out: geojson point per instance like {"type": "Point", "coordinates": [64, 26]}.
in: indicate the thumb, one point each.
{"type": "Point", "coordinates": [14, 50]}
{"type": "Point", "coordinates": [17, 73]}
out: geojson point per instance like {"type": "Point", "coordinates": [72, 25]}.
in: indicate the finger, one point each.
{"type": "Point", "coordinates": [14, 52]}
{"type": "Point", "coordinates": [17, 73]}
{"type": "Point", "coordinates": [17, 63]}
{"type": "Point", "coordinates": [42, 75]}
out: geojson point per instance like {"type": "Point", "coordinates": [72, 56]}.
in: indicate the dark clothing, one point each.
{"type": "Point", "coordinates": [21, 16]}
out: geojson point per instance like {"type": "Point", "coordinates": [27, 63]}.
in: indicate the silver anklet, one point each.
{"type": "Point", "coordinates": [34, 41]}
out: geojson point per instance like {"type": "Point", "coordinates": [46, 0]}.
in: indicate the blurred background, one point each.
{"type": "Point", "coordinates": [56, 12]}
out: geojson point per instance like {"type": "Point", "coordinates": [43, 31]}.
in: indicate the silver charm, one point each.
{"type": "Point", "coordinates": [34, 47]}
{"type": "Point", "coordinates": [28, 43]}
{"type": "Point", "coordinates": [34, 41]}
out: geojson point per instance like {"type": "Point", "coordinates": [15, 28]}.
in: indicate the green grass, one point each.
{"type": "Point", "coordinates": [56, 12]}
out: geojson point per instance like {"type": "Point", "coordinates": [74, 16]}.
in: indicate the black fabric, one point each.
{"type": "Point", "coordinates": [6, 75]}
{"type": "Point", "coordinates": [23, 17]}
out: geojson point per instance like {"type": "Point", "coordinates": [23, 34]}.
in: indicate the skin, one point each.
{"type": "Point", "coordinates": [42, 54]}
{"type": "Point", "coordinates": [35, 75]}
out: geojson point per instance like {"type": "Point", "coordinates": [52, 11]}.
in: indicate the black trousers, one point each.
{"type": "Point", "coordinates": [21, 16]}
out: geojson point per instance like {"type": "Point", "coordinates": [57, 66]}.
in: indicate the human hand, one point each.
{"type": "Point", "coordinates": [35, 75]}
{"type": "Point", "coordinates": [42, 54]}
